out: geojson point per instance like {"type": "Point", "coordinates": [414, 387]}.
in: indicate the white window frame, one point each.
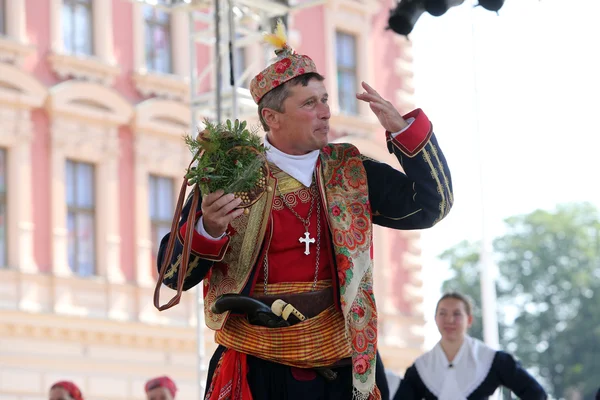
{"type": "Point", "coordinates": [159, 150]}
{"type": "Point", "coordinates": [355, 62]}
{"type": "Point", "coordinates": [354, 20]}
{"type": "Point", "coordinates": [169, 26]}
{"type": "Point", "coordinates": [166, 222]}
{"type": "Point", "coordinates": [84, 110]}
{"type": "Point", "coordinates": [90, 31]}
{"type": "Point", "coordinates": [173, 86]}
{"type": "Point", "coordinates": [90, 211]}
{"type": "Point", "coordinates": [101, 67]}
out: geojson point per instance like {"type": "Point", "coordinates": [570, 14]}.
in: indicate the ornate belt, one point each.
{"type": "Point", "coordinates": [310, 304]}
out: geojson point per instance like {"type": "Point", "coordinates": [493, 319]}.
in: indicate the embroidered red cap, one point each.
{"type": "Point", "coordinates": [162, 381]}
{"type": "Point", "coordinates": [287, 65]}
{"type": "Point", "coordinates": [71, 388]}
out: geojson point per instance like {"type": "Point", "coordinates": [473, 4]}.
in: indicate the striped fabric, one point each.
{"type": "Point", "coordinates": [296, 287]}
{"type": "Point", "coordinates": [317, 342]}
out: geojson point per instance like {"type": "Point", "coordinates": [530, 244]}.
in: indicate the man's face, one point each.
{"type": "Point", "coordinates": [159, 393]}
{"type": "Point", "coordinates": [304, 125]}
{"type": "Point", "coordinates": [59, 394]}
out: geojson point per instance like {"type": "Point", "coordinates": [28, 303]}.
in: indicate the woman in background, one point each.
{"type": "Point", "coordinates": [460, 367]}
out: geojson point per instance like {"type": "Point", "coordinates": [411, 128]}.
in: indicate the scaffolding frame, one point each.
{"type": "Point", "coordinates": [239, 22]}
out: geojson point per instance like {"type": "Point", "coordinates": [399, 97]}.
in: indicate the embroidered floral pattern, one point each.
{"type": "Point", "coordinates": [354, 173]}
{"type": "Point", "coordinates": [282, 65]}
{"type": "Point", "coordinates": [350, 217]}
{"type": "Point", "coordinates": [361, 364]}
{"type": "Point", "coordinates": [344, 270]}
{"type": "Point", "coordinates": [353, 225]}
{"type": "Point", "coordinates": [280, 72]}
{"type": "Point", "coordinates": [336, 211]}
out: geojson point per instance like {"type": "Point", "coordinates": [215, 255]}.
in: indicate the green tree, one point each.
{"type": "Point", "coordinates": [549, 265]}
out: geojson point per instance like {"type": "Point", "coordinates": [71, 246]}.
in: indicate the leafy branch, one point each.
{"type": "Point", "coordinates": [226, 156]}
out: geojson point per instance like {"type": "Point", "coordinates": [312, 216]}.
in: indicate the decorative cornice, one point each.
{"type": "Point", "coordinates": [162, 117]}
{"type": "Point", "coordinates": [104, 332]}
{"type": "Point", "coordinates": [14, 52]}
{"type": "Point", "coordinates": [89, 101]}
{"type": "Point", "coordinates": [83, 68]}
{"type": "Point", "coordinates": [166, 86]}
{"type": "Point", "coordinates": [19, 89]}
{"type": "Point", "coordinates": [367, 7]}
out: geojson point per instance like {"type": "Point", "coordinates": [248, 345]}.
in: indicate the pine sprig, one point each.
{"type": "Point", "coordinates": [232, 157]}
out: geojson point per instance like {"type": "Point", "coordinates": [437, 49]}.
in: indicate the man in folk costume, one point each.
{"type": "Point", "coordinates": [308, 241]}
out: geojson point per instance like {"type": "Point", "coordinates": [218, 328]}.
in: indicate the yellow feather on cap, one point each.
{"type": "Point", "coordinates": [278, 38]}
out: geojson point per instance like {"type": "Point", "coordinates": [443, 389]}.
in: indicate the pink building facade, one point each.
{"type": "Point", "coordinates": [94, 101]}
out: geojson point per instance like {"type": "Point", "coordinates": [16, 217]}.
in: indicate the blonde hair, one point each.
{"type": "Point", "coordinates": [457, 296]}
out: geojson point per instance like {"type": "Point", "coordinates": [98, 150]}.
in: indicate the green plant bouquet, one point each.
{"type": "Point", "coordinates": [229, 157]}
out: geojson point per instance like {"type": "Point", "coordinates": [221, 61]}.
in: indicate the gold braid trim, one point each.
{"type": "Point", "coordinates": [440, 188]}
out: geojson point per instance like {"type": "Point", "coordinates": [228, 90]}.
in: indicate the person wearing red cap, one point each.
{"type": "Point", "coordinates": [306, 241]}
{"type": "Point", "coordinates": [161, 388]}
{"type": "Point", "coordinates": [65, 390]}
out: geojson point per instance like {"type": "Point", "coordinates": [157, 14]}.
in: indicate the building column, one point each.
{"type": "Point", "coordinates": [180, 31]}
{"type": "Point", "coordinates": [143, 237]}
{"type": "Point", "coordinates": [60, 261]}
{"type": "Point", "coordinates": [109, 237]}
{"type": "Point", "coordinates": [139, 50]}
{"type": "Point", "coordinates": [56, 42]}
{"type": "Point", "coordinates": [15, 20]}
{"type": "Point", "coordinates": [20, 206]}
{"type": "Point", "coordinates": [103, 31]}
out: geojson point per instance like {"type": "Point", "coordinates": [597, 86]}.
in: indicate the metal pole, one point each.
{"type": "Point", "coordinates": [486, 262]}
{"type": "Point", "coordinates": [199, 299]}
{"type": "Point", "coordinates": [232, 78]}
{"type": "Point", "coordinates": [218, 60]}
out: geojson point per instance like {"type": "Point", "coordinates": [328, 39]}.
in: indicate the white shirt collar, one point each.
{"type": "Point", "coordinates": [300, 168]}
{"type": "Point", "coordinates": [469, 369]}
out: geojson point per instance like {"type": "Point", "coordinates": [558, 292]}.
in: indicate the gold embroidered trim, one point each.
{"type": "Point", "coordinates": [446, 182]}
{"type": "Point", "coordinates": [377, 214]}
{"type": "Point", "coordinates": [291, 189]}
{"type": "Point", "coordinates": [193, 263]}
{"type": "Point", "coordinates": [440, 188]}
{"type": "Point", "coordinates": [367, 158]}
{"type": "Point", "coordinates": [285, 182]}
{"type": "Point", "coordinates": [191, 266]}
{"type": "Point", "coordinates": [292, 198]}
{"type": "Point", "coordinates": [173, 268]}
{"type": "Point", "coordinates": [232, 274]}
